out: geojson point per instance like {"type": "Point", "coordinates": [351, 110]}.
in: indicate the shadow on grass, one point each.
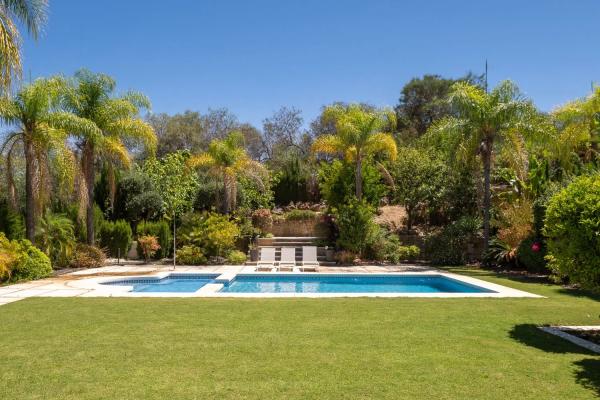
{"type": "Point", "coordinates": [588, 374]}
{"type": "Point", "coordinates": [530, 335]}
{"type": "Point", "coordinates": [580, 293]}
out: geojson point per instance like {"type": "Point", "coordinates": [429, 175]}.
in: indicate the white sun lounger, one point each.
{"type": "Point", "coordinates": [288, 259]}
{"type": "Point", "coordinates": [267, 259]}
{"type": "Point", "coordinates": [309, 258]}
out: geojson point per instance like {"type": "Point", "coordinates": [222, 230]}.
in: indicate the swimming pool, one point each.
{"type": "Point", "coordinates": [173, 283]}
{"type": "Point", "coordinates": [348, 284]}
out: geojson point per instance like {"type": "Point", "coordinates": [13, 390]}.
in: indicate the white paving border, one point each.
{"type": "Point", "coordinates": [96, 287]}
{"type": "Point", "coordinates": [559, 331]}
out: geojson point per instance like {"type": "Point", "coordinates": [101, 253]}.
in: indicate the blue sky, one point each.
{"type": "Point", "coordinates": [256, 56]}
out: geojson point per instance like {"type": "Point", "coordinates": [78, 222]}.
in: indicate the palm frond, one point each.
{"type": "Point", "coordinates": [328, 144]}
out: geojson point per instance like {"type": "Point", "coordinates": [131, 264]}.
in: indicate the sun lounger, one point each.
{"type": "Point", "coordinates": [267, 259]}
{"type": "Point", "coordinates": [309, 258]}
{"type": "Point", "coordinates": [288, 259]}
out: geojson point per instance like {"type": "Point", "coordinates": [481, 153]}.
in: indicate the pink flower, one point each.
{"type": "Point", "coordinates": [536, 246]}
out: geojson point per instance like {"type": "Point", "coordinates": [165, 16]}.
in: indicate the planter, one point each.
{"type": "Point", "coordinates": [253, 254]}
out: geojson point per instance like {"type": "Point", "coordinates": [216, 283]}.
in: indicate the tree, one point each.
{"type": "Point", "coordinates": [358, 135]}
{"type": "Point", "coordinates": [483, 119]}
{"type": "Point", "coordinates": [282, 131]}
{"type": "Point", "coordinates": [39, 127]}
{"type": "Point", "coordinates": [226, 159]}
{"type": "Point", "coordinates": [178, 132]}
{"type": "Point", "coordinates": [177, 184]}
{"type": "Point", "coordinates": [423, 101]}
{"type": "Point", "coordinates": [116, 118]}
{"type": "Point", "coordinates": [218, 123]}
{"type": "Point", "coordinates": [418, 181]}
{"type": "Point", "coordinates": [32, 15]}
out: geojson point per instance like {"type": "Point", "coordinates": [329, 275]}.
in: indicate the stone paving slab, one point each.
{"type": "Point", "coordinates": [6, 300]}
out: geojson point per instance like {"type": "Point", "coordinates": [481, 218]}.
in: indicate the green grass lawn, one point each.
{"type": "Point", "coordinates": [78, 348]}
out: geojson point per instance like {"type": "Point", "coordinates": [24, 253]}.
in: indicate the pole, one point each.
{"type": "Point", "coordinates": [174, 242]}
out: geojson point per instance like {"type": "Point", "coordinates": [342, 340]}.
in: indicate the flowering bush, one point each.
{"type": "Point", "coordinates": [149, 245]}
{"type": "Point", "coordinates": [262, 219]}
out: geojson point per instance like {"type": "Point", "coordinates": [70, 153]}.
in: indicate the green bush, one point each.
{"type": "Point", "coordinates": [86, 256]}
{"type": "Point", "coordinates": [449, 246]}
{"type": "Point", "coordinates": [31, 263]}
{"type": "Point", "coordinates": [531, 253]}
{"type": "Point", "coordinates": [354, 221]}
{"type": "Point", "coordinates": [236, 257]}
{"type": "Point", "coordinates": [116, 237]}
{"type": "Point", "coordinates": [215, 234]}
{"type": "Point", "coordinates": [190, 255]}
{"type": "Point", "coordinates": [572, 228]}
{"type": "Point", "coordinates": [55, 235]}
{"type": "Point", "coordinates": [11, 223]}
{"type": "Point", "coordinates": [300, 215]}
{"type": "Point", "coordinates": [162, 231]}
{"type": "Point", "coordinates": [387, 247]}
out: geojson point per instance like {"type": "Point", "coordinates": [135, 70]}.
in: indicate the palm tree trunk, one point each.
{"type": "Point", "coordinates": [226, 194]}
{"type": "Point", "coordinates": [88, 172]}
{"type": "Point", "coordinates": [358, 176]}
{"type": "Point", "coordinates": [487, 194]}
{"type": "Point", "coordinates": [29, 190]}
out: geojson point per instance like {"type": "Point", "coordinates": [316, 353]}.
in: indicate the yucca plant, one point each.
{"type": "Point", "coordinates": [358, 136]}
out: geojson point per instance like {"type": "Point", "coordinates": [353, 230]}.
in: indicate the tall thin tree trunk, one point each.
{"type": "Point", "coordinates": [487, 193]}
{"type": "Point", "coordinates": [226, 194]}
{"type": "Point", "coordinates": [88, 173]}
{"type": "Point", "coordinates": [358, 175]}
{"type": "Point", "coordinates": [29, 190]}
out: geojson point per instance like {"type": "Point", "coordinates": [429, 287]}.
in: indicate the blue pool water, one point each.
{"type": "Point", "coordinates": [348, 284]}
{"type": "Point", "coordinates": [173, 283]}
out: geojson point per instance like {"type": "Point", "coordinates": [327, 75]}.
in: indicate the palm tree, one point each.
{"type": "Point", "coordinates": [39, 126]}
{"type": "Point", "coordinates": [116, 118]}
{"type": "Point", "coordinates": [358, 136]}
{"type": "Point", "coordinates": [29, 13]}
{"type": "Point", "coordinates": [483, 119]}
{"type": "Point", "coordinates": [226, 159]}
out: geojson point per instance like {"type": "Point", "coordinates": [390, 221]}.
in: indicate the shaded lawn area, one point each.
{"type": "Point", "coordinates": [103, 348]}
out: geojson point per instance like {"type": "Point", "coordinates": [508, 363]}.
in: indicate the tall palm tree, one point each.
{"type": "Point", "coordinates": [116, 118]}
{"type": "Point", "coordinates": [226, 159]}
{"type": "Point", "coordinates": [39, 125]}
{"type": "Point", "coordinates": [482, 120]}
{"type": "Point", "coordinates": [29, 13]}
{"type": "Point", "coordinates": [358, 135]}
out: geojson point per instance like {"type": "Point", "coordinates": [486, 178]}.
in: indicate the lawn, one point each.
{"type": "Point", "coordinates": [86, 348]}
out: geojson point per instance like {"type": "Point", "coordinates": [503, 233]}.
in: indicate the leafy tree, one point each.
{"type": "Point", "coordinates": [137, 199]}
{"type": "Point", "coordinates": [116, 119]}
{"type": "Point", "coordinates": [39, 126]}
{"type": "Point", "coordinates": [356, 227]}
{"type": "Point", "coordinates": [358, 136]}
{"type": "Point", "coordinates": [482, 120]}
{"type": "Point", "coordinates": [418, 180]}
{"type": "Point", "coordinates": [218, 123]}
{"type": "Point", "coordinates": [177, 184]}
{"type": "Point", "coordinates": [423, 101]}
{"type": "Point", "coordinates": [282, 131]}
{"type": "Point", "coordinates": [226, 159]}
{"type": "Point", "coordinates": [178, 132]}
{"type": "Point", "coordinates": [32, 15]}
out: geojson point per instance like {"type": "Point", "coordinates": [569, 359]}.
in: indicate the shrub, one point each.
{"type": "Point", "coordinates": [116, 237]}
{"type": "Point", "coordinates": [215, 235]}
{"type": "Point", "coordinates": [236, 257]}
{"type": "Point", "coordinates": [531, 253]}
{"type": "Point", "coordinates": [300, 215]}
{"type": "Point", "coordinates": [162, 231]}
{"type": "Point", "coordinates": [30, 264]}
{"type": "Point", "coordinates": [149, 245]}
{"type": "Point", "coordinates": [572, 227]}
{"type": "Point", "coordinates": [9, 253]}
{"type": "Point", "coordinates": [86, 256]}
{"type": "Point", "coordinates": [356, 227]}
{"type": "Point", "coordinates": [190, 255]}
{"type": "Point", "coordinates": [11, 223]}
{"type": "Point", "coordinates": [262, 219]}
{"type": "Point", "coordinates": [345, 257]}
{"type": "Point", "coordinates": [387, 247]}
{"type": "Point", "coordinates": [56, 237]}
{"type": "Point", "coordinates": [449, 246]}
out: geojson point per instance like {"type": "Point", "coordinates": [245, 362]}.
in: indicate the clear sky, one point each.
{"type": "Point", "coordinates": [256, 56]}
